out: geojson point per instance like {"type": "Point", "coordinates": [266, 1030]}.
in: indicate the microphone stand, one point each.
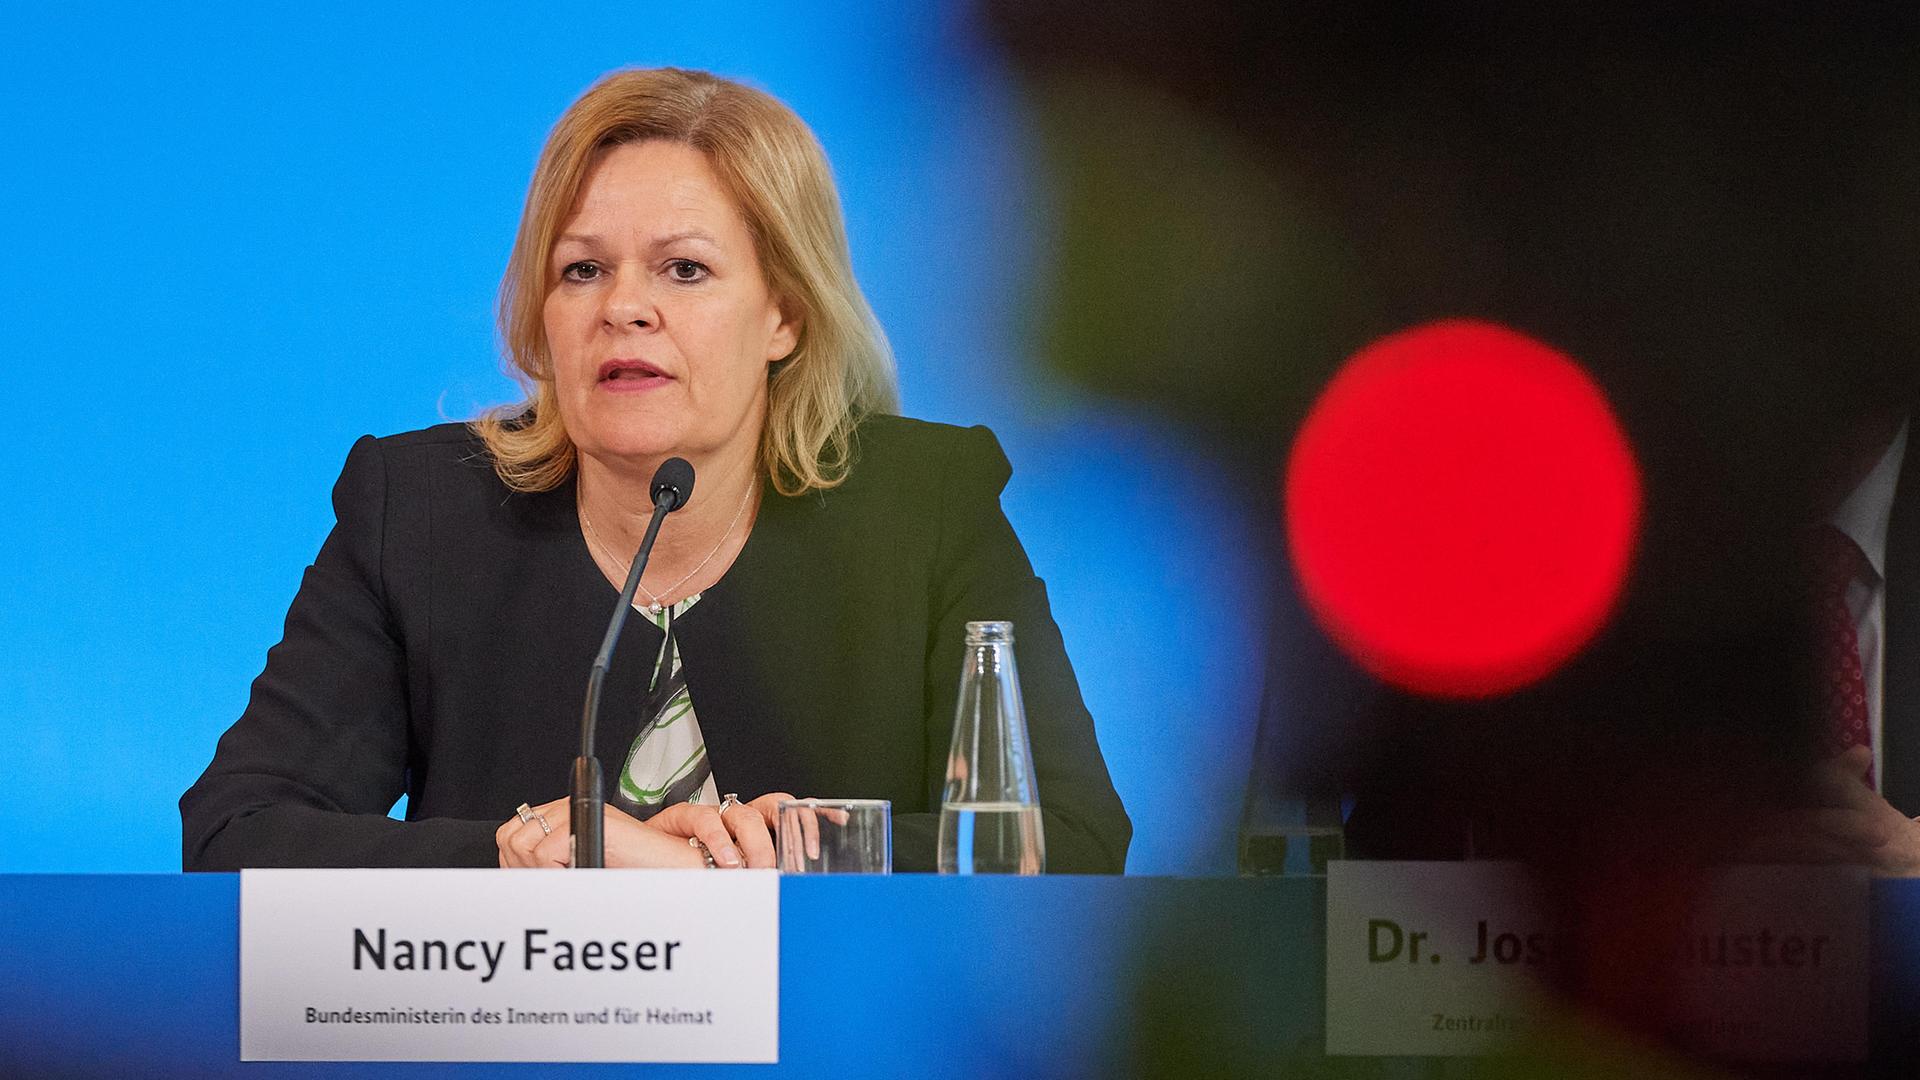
{"type": "Point", "coordinates": [587, 808]}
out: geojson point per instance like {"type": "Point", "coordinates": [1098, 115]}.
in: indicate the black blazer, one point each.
{"type": "Point", "coordinates": [440, 643]}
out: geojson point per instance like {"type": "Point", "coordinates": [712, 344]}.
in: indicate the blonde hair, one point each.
{"type": "Point", "coordinates": [769, 162]}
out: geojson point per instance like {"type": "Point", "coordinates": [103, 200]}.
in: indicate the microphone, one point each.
{"type": "Point", "coordinates": [672, 480]}
{"type": "Point", "coordinates": [671, 488]}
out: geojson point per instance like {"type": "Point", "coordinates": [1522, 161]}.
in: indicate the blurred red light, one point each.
{"type": "Point", "coordinates": [1461, 509]}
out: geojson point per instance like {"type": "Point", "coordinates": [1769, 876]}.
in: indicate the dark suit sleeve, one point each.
{"type": "Point", "coordinates": [981, 573]}
{"type": "Point", "coordinates": [307, 775]}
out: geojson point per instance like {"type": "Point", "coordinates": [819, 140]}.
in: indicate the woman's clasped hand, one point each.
{"type": "Point", "coordinates": [740, 836]}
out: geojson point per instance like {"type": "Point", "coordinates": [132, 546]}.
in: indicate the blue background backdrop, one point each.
{"type": "Point", "coordinates": [236, 239]}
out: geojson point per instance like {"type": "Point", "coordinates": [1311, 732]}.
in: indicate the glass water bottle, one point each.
{"type": "Point", "coordinates": [990, 812]}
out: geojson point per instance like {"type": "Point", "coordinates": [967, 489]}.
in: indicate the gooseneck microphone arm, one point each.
{"type": "Point", "coordinates": [672, 487]}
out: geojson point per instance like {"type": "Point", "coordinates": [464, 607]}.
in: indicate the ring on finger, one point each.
{"type": "Point", "coordinates": [544, 827]}
{"type": "Point", "coordinates": [524, 813]}
{"type": "Point", "coordinates": [728, 802]}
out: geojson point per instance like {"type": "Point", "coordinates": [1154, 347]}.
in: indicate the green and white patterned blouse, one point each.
{"type": "Point", "coordinates": [667, 763]}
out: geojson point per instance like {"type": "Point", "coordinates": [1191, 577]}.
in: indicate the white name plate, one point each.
{"type": "Point", "coordinates": [510, 965]}
{"type": "Point", "coordinates": [1762, 963]}
{"type": "Point", "coordinates": [1401, 942]}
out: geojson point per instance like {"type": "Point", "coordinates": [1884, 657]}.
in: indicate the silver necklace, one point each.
{"type": "Point", "coordinates": [654, 604]}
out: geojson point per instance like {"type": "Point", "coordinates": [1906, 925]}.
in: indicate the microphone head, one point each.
{"type": "Point", "coordinates": [673, 483]}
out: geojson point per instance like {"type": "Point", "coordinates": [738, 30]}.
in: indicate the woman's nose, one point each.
{"type": "Point", "coordinates": [629, 301]}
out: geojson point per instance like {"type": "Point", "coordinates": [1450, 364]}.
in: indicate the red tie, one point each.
{"type": "Point", "coordinates": [1838, 562]}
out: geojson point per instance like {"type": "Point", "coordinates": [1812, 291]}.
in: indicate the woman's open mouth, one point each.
{"type": "Point", "coordinates": [631, 376]}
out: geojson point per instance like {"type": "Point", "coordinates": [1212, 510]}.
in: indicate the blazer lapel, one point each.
{"type": "Point", "coordinates": [745, 647]}
{"type": "Point", "coordinates": [571, 608]}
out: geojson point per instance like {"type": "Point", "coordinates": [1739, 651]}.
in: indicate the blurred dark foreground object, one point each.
{"type": "Point", "coordinates": [1709, 212]}
{"type": "Point", "coordinates": [1715, 212]}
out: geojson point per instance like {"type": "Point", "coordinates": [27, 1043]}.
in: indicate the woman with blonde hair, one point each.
{"type": "Point", "coordinates": [680, 286]}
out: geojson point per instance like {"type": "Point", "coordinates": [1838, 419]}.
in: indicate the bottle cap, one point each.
{"type": "Point", "coordinates": [989, 633]}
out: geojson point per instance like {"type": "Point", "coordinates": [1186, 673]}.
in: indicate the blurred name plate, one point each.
{"type": "Point", "coordinates": [497, 965]}
{"type": "Point", "coordinates": [1757, 963]}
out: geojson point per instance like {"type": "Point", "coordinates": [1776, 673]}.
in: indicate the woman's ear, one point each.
{"type": "Point", "coordinates": [784, 332]}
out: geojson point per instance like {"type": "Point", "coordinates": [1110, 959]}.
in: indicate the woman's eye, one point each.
{"type": "Point", "coordinates": [686, 270]}
{"type": "Point", "coordinates": [580, 271]}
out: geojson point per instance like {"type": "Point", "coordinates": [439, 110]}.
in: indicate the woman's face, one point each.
{"type": "Point", "coordinates": [660, 322]}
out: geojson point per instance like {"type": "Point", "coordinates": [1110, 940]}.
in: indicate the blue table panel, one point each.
{"type": "Point", "coordinates": [912, 975]}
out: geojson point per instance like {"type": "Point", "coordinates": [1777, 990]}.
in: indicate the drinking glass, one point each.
{"type": "Point", "coordinates": [836, 836]}
{"type": "Point", "coordinates": [1292, 838]}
